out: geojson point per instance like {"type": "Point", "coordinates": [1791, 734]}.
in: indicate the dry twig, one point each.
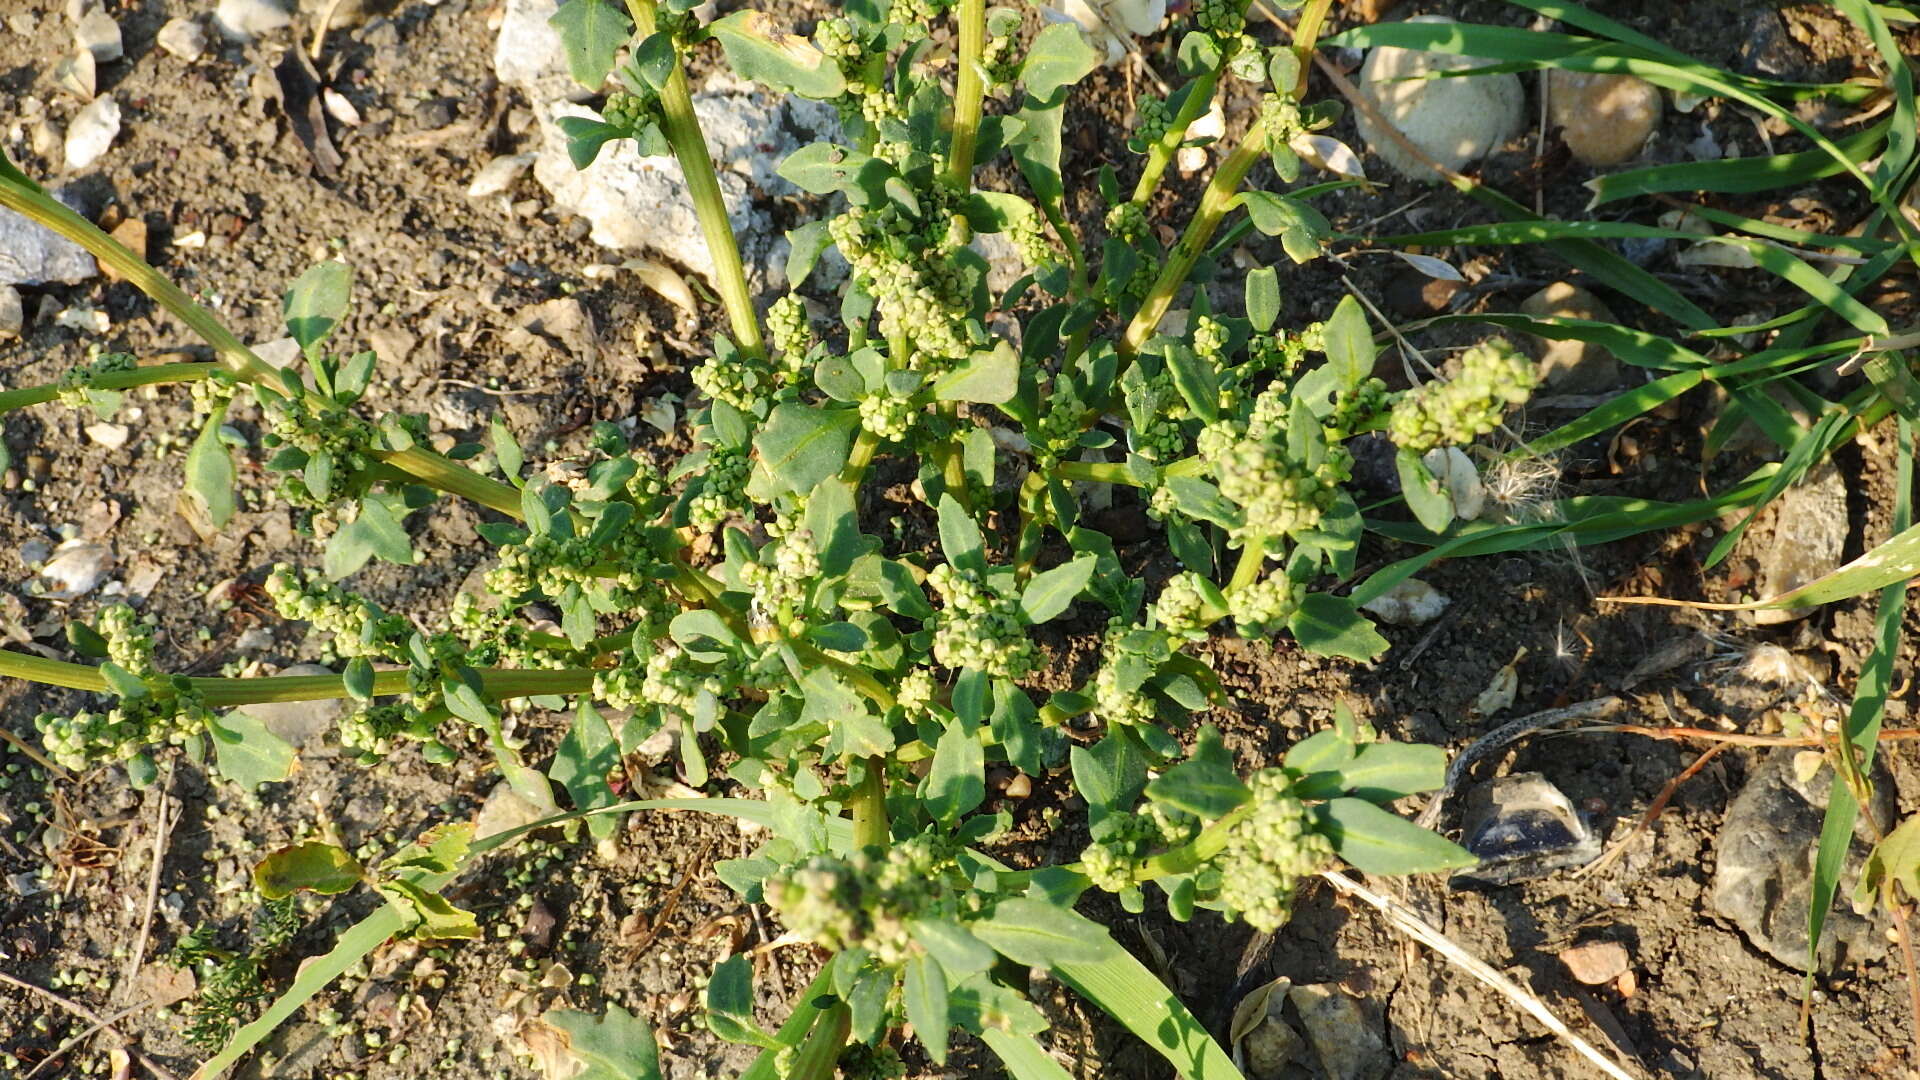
{"type": "Point", "coordinates": [1406, 921]}
{"type": "Point", "coordinates": [91, 1017]}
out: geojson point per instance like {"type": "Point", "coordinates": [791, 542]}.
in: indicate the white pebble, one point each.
{"type": "Point", "coordinates": [92, 132]}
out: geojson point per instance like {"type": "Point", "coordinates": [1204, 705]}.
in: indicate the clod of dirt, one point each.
{"type": "Point", "coordinates": [1763, 872]}
{"type": "Point", "coordinates": [1605, 119]}
{"type": "Point", "coordinates": [1597, 963]}
{"type": "Point", "coordinates": [1522, 827]}
{"type": "Point", "coordinates": [300, 723]}
{"type": "Point", "coordinates": [1344, 1038]}
{"type": "Point", "coordinates": [1410, 603]}
{"type": "Point", "coordinates": [1569, 366]}
{"type": "Point", "coordinates": [98, 34]}
{"type": "Point", "coordinates": [92, 132]}
{"type": "Point", "coordinates": [1810, 523]}
{"type": "Point", "coordinates": [184, 38]}
{"type": "Point", "coordinates": [1453, 121]}
{"type": "Point", "coordinates": [243, 20]}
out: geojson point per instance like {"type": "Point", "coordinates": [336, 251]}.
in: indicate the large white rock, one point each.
{"type": "Point", "coordinates": [1453, 121]}
{"type": "Point", "coordinates": [636, 203]}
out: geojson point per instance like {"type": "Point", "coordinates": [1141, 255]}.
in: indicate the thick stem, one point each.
{"type": "Point", "coordinates": [682, 129]}
{"type": "Point", "coordinates": [1161, 153]}
{"type": "Point", "coordinates": [1214, 205]}
{"type": "Point", "coordinates": [864, 445]}
{"type": "Point", "coordinates": [114, 380]}
{"type": "Point", "coordinates": [870, 825]}
{"type": "Point", "coordinates": [1252, 558]}
{"type": "Point", "coordinates": [969, 94]}
{"type": "Point", "coordinates": [818, 1057]}
{"type": "Point", "coordinates": [1097, 472]}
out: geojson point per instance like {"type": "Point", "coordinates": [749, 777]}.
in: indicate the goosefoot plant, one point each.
{"type": "Point", "coordinates": [859, 684]}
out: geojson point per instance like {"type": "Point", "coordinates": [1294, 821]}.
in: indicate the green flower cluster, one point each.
{"type": "Point", "coordinates": [212, 392]}
{"type": "Point", "coordinates": [1355, 410]}
{"type": "Point", "coordinates": [723, 488]}
{"type": "Point", "coordinates": [75, 388]}
{"type": "Point", "coordinates": [1262, 609]}
{"type": "Point", "coordinates": [1269, 849]}
{"type": "Point", "coordinates": [1129, 656]}
{"type": "Point", "coordinates": [622, 566]}
{"type": "Point", "coordinates": [980, 626]}
{"type": "Point", "coordinates": [1224, 19]}
{"type": "Point", "coordinates": [170, 711]}
{"type": "Point", "coordinates": [788, 326]}
{"type": "Point", "coordinates": [1151, 118]}
{"type": "Point", "coordinates": [1183, 609]}
{"type": "Point", "coordinates": [1250, 462]}
{"type": "Point", "coordinates": [907, 266]}
{"type": "Point", "coordinates": [868, 899]}
{"type": "Point", "coordinates": [889, 418]}
{"type": "Point", "coordinates": [1494, 376]}
{"type": "Point", "coordinates": [659, 674]}
{"type": "Point", "coordinates": [1029, 237]}
{"type": "Point", "coordinates": [917, 692]}
{"type": "Point", "coordinates": [294, 424]}
{"type": "Point", "coordinates": [1121, 841]}
{"type": "Point", "coordinates": [917, 16]}
{"type": "Point", "coordinates": [781, 587]}
{"type": "Point", "coordinates": [631, 111]}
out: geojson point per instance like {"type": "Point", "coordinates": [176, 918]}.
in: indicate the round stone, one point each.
{"type": "Point", "coordinates": [1453, 121]}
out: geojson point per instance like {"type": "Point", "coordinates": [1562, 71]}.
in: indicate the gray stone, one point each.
{"type": "Point", "coordinates": [243, 20]}
{"type": "Point", "coordinates": [299, 722]}
{"type": "Point", "coordinates": [76, 567]}
{"type": "Point", "coordinates": [92, 132]}
{"type": "Point", "coordinates": [527, 54]}
{"type": "Point", "coordinates": [184, 38]}
{"type": "Point", "coordinates": [1810, 526]}
{"type": "Point", "coordinates": [31, 254]}
{"type": "Point", "coordinates": [1345, 1040]}
{"type": "Point", "coordinates": [1451, 120]}
{"type": "Point", "coordinates": [98, 34]}
{"type": "Point", "coordinates": [1763, 862]}
{"type": "Point", "coordinates": [499, 174]}
{"type": "Point", "coordinates": [1410, 603]}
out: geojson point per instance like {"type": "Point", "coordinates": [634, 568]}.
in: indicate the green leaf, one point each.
{"type": "Point", "coordinates": [317, 303]}
{"type": "Point", "coordinates": [506, 449]}
{"type": "Point", "coordinates": [957, 781]}
{"type": "Point", "coordinates": [1111, 774]}
{"type": "Point", "coordinates": [209, 470]}
{"type": "Point", "coordinates": [1050, 593]}
{"type": "Point", "coordinates": [1316, 763]}
{"type": "Point", "coordinates": [960, 537]}
{"type": "Point", "coordinates": [358, 679]}
{"type": "Point", "coordinates": [439, 850]}
{"type": "Point", "coordinates": [823, 168]}
{"type": "Point", "coordinates": [1197, 381]}
{"type": "Point", "coordinates": [1350, 351]}
{"type": "Point", "coordinates": [1023, 1056]}
{"type": "Point", "coordinates": [1384, 771]}
{"type": "Point", "coordinates": [312, 866]}
{"type": "Point", "coordinates": [1263, 298]}
{"type": "Point", "coordinates": [834, 705]}
{"type": "Point", "coordinates": [1426, 497]}
{"type": "Point", "coordinates": [1379, 842]}
{"type": "Point", "coordinates": [616, 1046]}
{"type": "Point", "coordinates": [1124, 989]}
{"type": "Point", "coordinates": [1329, 625]}
{"type": "Point", "coordinates": [653, 59]}
{"type": "Point", "coordinates": [1058, 57]}
{"type": "Point", "coordinates": [581, 764]}
{"type": "Point", "coordinates": [1205, 784]}
{"type": "Point", "coordinates": [801, 445]}
{"type": "Point", "coordinates": [1037, 152]}
{"type": "Point", "coordinates": [586, 136]}
{"type": "Point", "coordinates": [375, 532]}
{"type": "Point", "coordinates": [592, 33]}
{"type": "Point", "coordinates": [924, 987]}
{"type": "Point", "coordinates": [1300, 227]}
{"type": "Point", "coordinates": [248, 753]}
{"type": "Point", "coordinates": [779, 61]}
{"type": "Point", "coordinates": [991, 377]}
{"type": "Point", "coordinates": [730, 1003]}
{"type": "Point", "coordinates": [1039, 934]}
{"type": "Point", "coordinates": [960, 953]}
{"type": "Point", "coordinates": [430, 915]}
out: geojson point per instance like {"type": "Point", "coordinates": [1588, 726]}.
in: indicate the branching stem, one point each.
{"type": "Point", "coordinates": [969, 94]}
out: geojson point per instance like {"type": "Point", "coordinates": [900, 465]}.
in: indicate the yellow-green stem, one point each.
{"type": "Point", "coordinates": [1214, 204]}
{"type": "Point", "coordinates": [1306, 34]}
{"type": "Point", "coordinates": [682, 129]}
{"type": "Point", "coordinates": [113, 380]}
{"type": "Point", "coordinates": [969, 94]}
{"type": "Point", "coordinates": [870, 825]}
{"type": "Point", "coordinates": [1252, 558]}
{"type": "Point", "coordinates": [1161, 153]}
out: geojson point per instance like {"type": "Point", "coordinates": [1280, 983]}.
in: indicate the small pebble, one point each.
{"type": "Point", "coordinates": [99, 35]}
{"type": "Point", "coordinates": [1605, 119]}
{"type": "Point", "coordinates": [1020, 786]}
{"type": "Point", "coordinates": [1597, 962]}
{"type": "Point", "coordinates": [1569, 366]}
{"type": "Point", "coordinates": [111, 436]}
{"type": "Point", "coordinates": [13, 315]}
{"type": "Point", "coordinates": [184, 38]}
{"type": "Point", "coordinates": [92, 132]}
{"type": "Point", "coordinates": [243, 20]}
{"type": "Point", "coordinates": [434, 114]}
{"type": "Point", "coordinates": [499, 174]}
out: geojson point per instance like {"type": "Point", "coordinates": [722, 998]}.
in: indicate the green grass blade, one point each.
{"type": "Point", "coordinates": [1023, 1056]}
{"type": "Point", "coordinates": [1863, 723]}
{"type": "Point", "coordinates": [1809, 449]}
{"type": "Point", "coordinates": [1735, 175]}
{"type": "Point", "coordinates": [1123, 988]}
{"type": "Point", "coordinates": [1902, 138]}
{"type": "Point", "coordinates": [1617, 410]}
{"type": "Point", "coordinates": [1636, 347]}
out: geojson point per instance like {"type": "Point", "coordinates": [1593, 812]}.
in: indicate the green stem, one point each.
{"type": "Point", "coordinates": [799, 1021]}
{"type": "Point", "coordinates": [820, 1054]}
{"type": "Point", "coordinates": [113, 380]}
{"type": "Point", "coordinates": [969, 95]}
{"type": "Point", "coordinates": [456, 479]}
{"type": "Point", "coordinates": [1097, 472]}
{"type": "Point", "coordinates": [1190, 857]}
{"type": "Point", "coordinates": [1252, 558]}
{"type": "Point", "coordinates": [1214, 205]}
{"type": "Point", "coordinates": [1161, 153]}
{"type": "Point", "coordinates": [682, 129]}
{"type": "Point", "coordinates": [1306, 34]}
{"type": "Point", "coordinates": [870, 825]}
{"type": "Point", "coordinates": [864, 445]}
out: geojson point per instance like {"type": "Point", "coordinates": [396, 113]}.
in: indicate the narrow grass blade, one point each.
{"type": "Point", "coordinates": [1730, 176]}
{"type": "Point", "coordinates": [1023, 1056]}
{"type": "Point", "coordinates": [1902, 138]}
{"type": "Point", "coordinates": [1863, 724]}
{"type": "Point", "coordinates": [1618, 410]}
{"type": "Point", "coordinates": [1800, 457]}
{"type": "Point", "coordinates": [1125, 990]}
{"type": "Point", "coordinates": [1636, 347]}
